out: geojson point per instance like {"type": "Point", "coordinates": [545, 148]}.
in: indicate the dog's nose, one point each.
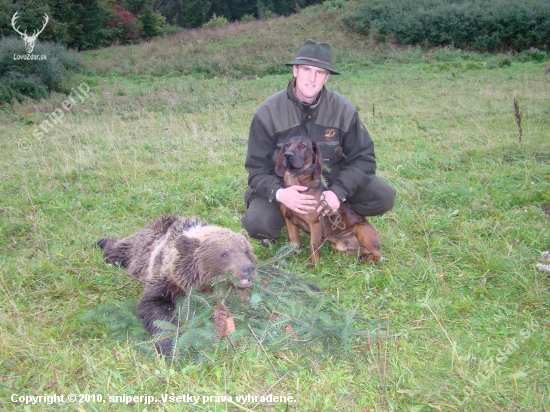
{"type": "Point", "coordinates": [288, 155]}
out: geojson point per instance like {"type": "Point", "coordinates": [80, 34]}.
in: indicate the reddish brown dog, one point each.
{"type": "Point", "coordinates": [300, 163]}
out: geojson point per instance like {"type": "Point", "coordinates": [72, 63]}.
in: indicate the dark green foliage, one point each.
{"type": "Point", "coordinates": [278, 313]}
{"type": "Point", "coordinates": [35, 78]}
{"type": "Point", "coordinates": [31, 16]}
{"type": "Point", "coordinates": [185, 13]}
{"type": "Point", "coordinates": [88, 24]}
{"type": "Point", "coordinates": [83, 24]}
{"type": "Point", "coordinates": [135, 6]}
{"type": "Point", "coordinates": [326, 169]}
{"type": "Point", "coordinates": [238, 8]}
{"type": "Point", "coordinates": [88, 30]}
{"type": "Point", "coordinates": [17, 86]}
{"type": "Point", "coordinates": [78, 24]}
{"type": "Point", "coordinates": [481, 25]}
{"type": "Point", "coordinates": [151, 23]}
{"type": "Point", "coordinates": [120, 320]}
{"type": "Point", "coordinates": [216, 21]}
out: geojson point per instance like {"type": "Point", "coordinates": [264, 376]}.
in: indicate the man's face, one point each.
{"type": "Point", "coordinates": [309, 81]}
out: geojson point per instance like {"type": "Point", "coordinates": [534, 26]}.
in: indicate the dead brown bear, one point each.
{"type": "Point", "coordinates": [170, 255]}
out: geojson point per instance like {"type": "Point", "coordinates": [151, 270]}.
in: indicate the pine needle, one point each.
{"type": "Point", "coordinates": [278, 312]}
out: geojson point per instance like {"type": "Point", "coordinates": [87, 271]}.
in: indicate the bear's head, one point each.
{"type": "Point", "coordinates": [210, 252]}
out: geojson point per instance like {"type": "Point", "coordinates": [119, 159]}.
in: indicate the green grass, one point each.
{"type": "Point", "coordinates": [468, 311]}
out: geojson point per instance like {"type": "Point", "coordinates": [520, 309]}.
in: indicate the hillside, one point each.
{"type": "Point", "coordinates": [259, 47]}
{"type": "Point", "coordinates": [238, 50]}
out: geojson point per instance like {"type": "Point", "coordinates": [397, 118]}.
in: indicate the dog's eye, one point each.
{"type": "Point", "coordinates": [302, 146]}
{"type": "Point", "coordinates": [224, 255]}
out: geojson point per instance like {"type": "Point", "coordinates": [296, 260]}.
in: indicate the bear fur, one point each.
{"type": "Point", "coordinates": [172, 254]}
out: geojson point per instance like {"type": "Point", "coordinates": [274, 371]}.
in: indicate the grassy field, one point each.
{"type": "Point", "coordinates": [464, 313]}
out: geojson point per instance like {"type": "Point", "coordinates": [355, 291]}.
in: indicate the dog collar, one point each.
{"type": "Point", "coordinates": [307, 171]}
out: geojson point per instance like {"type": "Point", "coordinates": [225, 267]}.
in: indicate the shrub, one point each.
{"type": "Point", "coordinates": [247, 17]}
{"type": "Point", "coordinates": [151, 23]}
{"type": "Point", "coordinates": [481, 25]}
{"type": "Point", "coordinates": [124, 26]}
{"type": "Point", "coordinates": [334, 5]}
{"type": "Point", "coordinates": [533, 55]}
{"type": "Point", "coordinates": [267, 14]}
{"type": "Point", "coordinates": [35, 78]}
{"type": "Point", "coordinates": [216, 21]}
{"type": "Point", "coordinates": [16, 86]}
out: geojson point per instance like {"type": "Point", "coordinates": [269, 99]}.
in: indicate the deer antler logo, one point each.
{"type": "Point", "coordinates": [29, 40]}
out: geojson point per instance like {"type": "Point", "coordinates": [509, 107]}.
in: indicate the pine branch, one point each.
{"type": "Point", "coordinates": [279, 313]}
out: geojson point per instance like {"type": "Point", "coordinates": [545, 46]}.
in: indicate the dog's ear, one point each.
{"type": "Point", "coordinates": [318, 160]}
{"type": "Point", "coordinates": [280, 164]}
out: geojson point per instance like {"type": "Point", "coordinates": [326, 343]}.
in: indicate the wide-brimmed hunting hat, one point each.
{"type": "Point", "coordinates": [315, 54]}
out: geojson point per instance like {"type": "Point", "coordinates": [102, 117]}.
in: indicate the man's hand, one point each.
{"type": "Point", "coordinates": [332, 200]}
{"type": "Point", "coordinates": [296, 201]}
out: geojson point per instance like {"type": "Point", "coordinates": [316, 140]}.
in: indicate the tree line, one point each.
{"type": "Point", "coordinates": [480, 25]}
{"type": "Point", "coordinates": [87, 24]}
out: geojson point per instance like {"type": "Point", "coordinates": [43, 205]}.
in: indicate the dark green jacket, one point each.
{"type": "Point", "coordinates": [332, 122]}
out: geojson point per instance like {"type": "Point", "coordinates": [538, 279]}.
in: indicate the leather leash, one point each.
{"type": "Point", "coordinates": [334, 217]}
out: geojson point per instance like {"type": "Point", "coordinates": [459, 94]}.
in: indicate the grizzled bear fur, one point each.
{"type": "Point", "coordinates": [172, 254]}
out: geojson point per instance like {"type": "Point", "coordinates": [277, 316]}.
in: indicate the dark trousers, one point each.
{"type": "Point", "coordinates": [263, 219]}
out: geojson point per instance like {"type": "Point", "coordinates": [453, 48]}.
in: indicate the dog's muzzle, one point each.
{"type": "Point", "coordinates": [289, 161]}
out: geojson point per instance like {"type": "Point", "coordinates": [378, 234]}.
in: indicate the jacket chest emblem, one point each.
{"type": "Point", "coordinates": [330, 133]}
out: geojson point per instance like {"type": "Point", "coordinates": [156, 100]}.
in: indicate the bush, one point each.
{"type": "Point", "coordinates": [481, 25]}
{"type": "Point", "coordinates": [151, 23]}
{"type": "Point", "coordinates": [216, 21]}
{"type": "Point", "coordinates": [35, 78]}
{"type": "Point", "coordinates": [334, 5]}
{"type": "Point", "coordinates": [124, 26]}
{"type": "Point", "coordinates": [15, 85]}
{"type": "Point", "coordinates": [267, 14]}
{"type": "Point", "coordinates": [247, 18]}
{"type": "Point", "coordinates": [533, 55]}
